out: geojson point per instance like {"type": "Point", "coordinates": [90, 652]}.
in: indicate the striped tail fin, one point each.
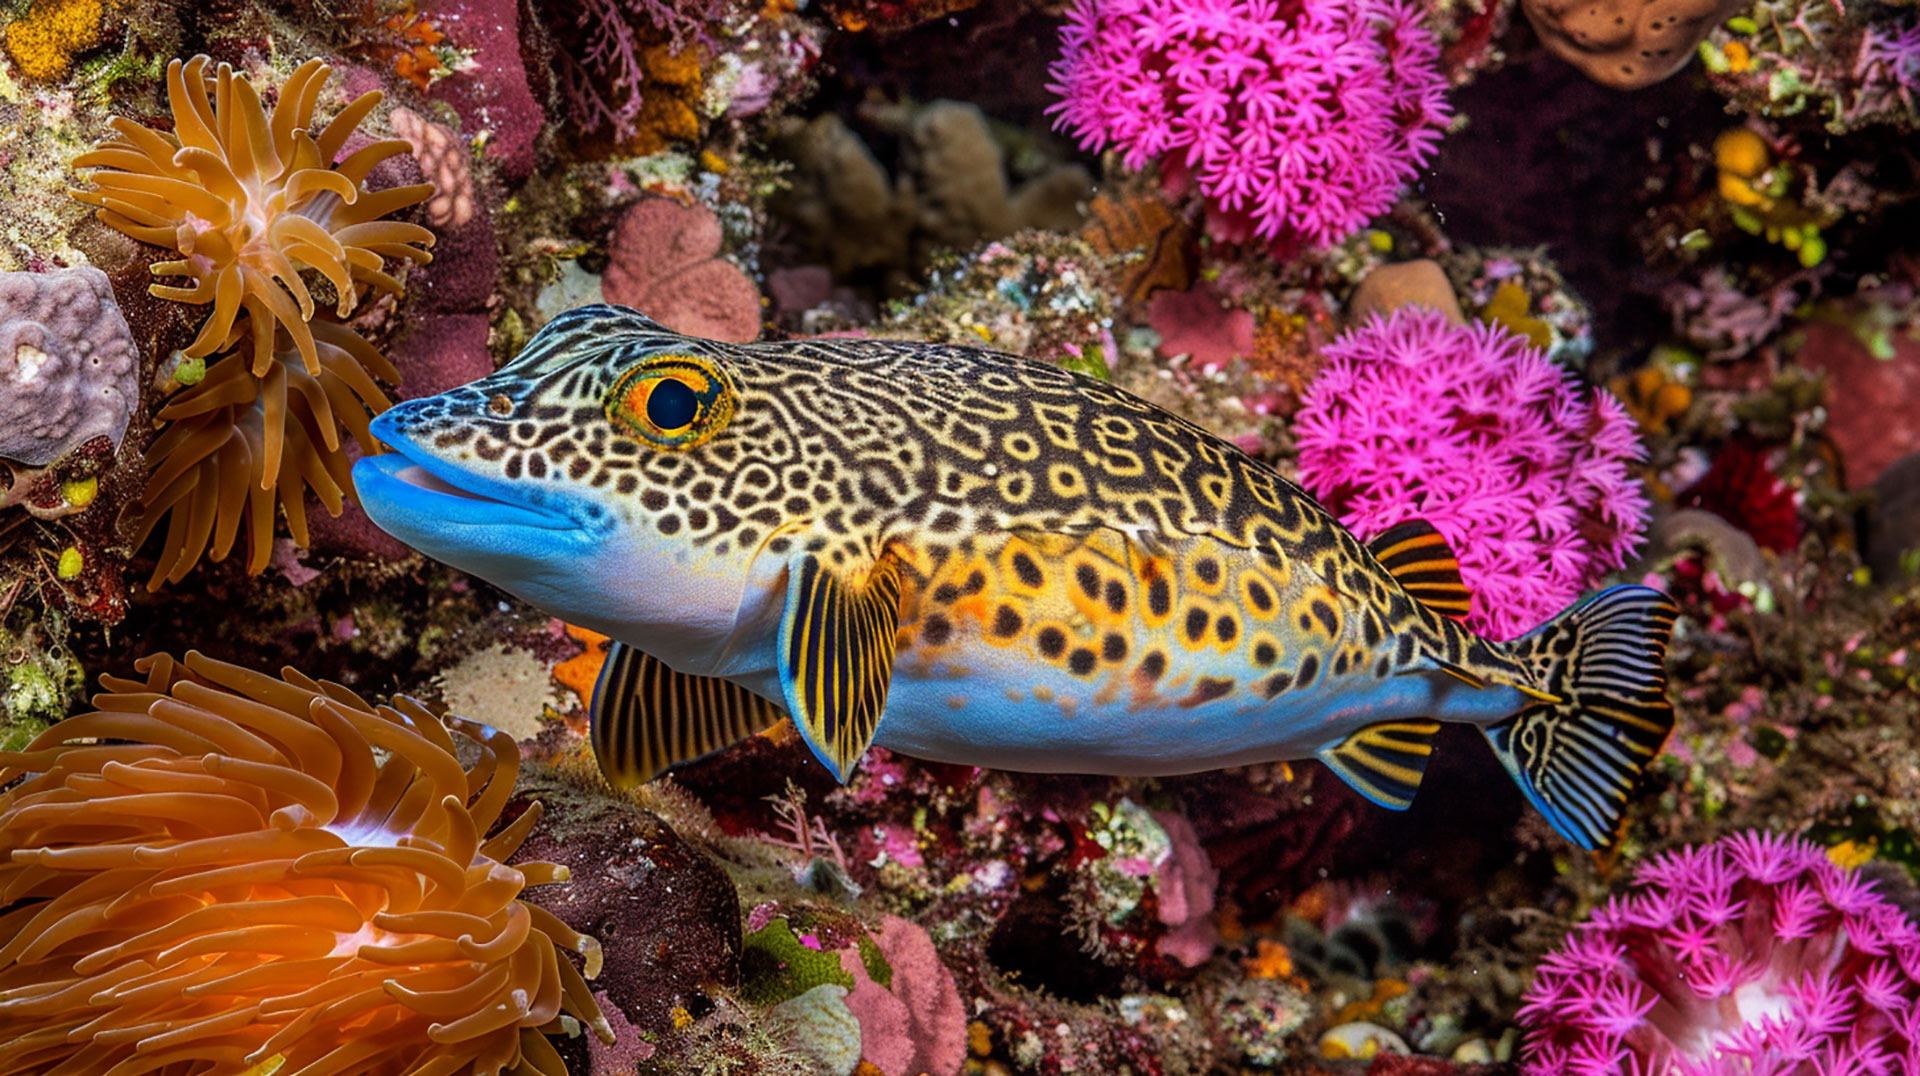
{"type": "Point", "coordinates": [1578, 759]}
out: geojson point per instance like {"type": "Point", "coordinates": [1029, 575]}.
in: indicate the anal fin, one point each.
{"type": "Point", "coordinates": [1384, 762]}
{"type": "Point", "coordinates": [1420, 560]}
{"type": "Point", "coordinates": [646, 718]}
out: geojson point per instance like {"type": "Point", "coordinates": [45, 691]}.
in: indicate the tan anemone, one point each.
{"type": "Point", "coordinates": [235, 443]}
{"type": "Point", "coordinates": [251, 198]}
{"type": "Point", "coordinates": [218, 869]}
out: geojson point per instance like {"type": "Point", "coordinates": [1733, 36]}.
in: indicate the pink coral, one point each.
{"type": "Point", "coordinates": [1298, 122]}
{"type": "Point", "coordinates": [1184, 885]}
{"type": "Point", "coordinates": [443, 159]}
{"type": "Point", "coordinates": [664, 261]}
{"type": "Point", "coordinates": [1752, 955]}
{"type": "Point", "coordinates": [915, 1022]}
{"type": "Point", "coordinates": [1468, 427]}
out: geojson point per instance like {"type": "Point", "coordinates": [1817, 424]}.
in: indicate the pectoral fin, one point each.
{"type": "Point", "coordinates": [1384, 762]}
{"type": "Point", "coordinates": [836, 655]}
{"type": "Point", "coordinates": [647, 718]}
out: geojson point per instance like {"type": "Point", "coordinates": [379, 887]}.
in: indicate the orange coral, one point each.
{"type": "Point", "coordinates": [251, 199]}
{"type": "Point", "coordinates": [253, 202]}
{"type": "Point", "coordinates": [218, 870]}
{"type": "Point", "coordinates": [43, 40]}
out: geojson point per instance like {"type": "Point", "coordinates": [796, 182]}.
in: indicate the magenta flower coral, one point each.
{"type": "Point", "coordinates": [1475, 431]}
{"type": "Point", "coordinates": [1754, 956]}
{"type": "Point", "coordinates": [1297, 121]}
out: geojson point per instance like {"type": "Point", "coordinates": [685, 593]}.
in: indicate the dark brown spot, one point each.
{"type": "Point", "coordinates": [669, 525]}
{"type": "Point", "coordinates": [1260, 596]}
{"type": "Point", "coordinates": [1196, 624]}
{"type": "Point", "coordinates": [1028, 571]}
{"type": "Point", "coordinates": [1081, 661]}
{"type": "Point", "coordinates": [1113, 648]}
{"type": "Point", "coordinates": [1159, 597]}
{"type": "Point", "coordinates": [1227, 629]}
{"type": "Point", "coordinates": [946, 594]}
{"type": "Point", "coordinates": [1324, 613]}
{"type": "Point", "coordinates": [653, 500]}
{"type": "Point", "coordinates": [1006, 622]}
{"type": "Point", "coordinates": [1264, 654]}
{"type": "Point", "coordinates": [1309, 668]}
{"type": "Point", "coordinates": [1208, 689]}
{"type": "Point", "coordinates": [1273, 685]}
{"type": "Point", "coordinates": [1153, 666]}
{"type": "Point", "coordinates": [976, 582]}
{"type": "Point", "coordinates": [938, 630]}
{"type": "Point", "coordinates": [1088, 579]}
{"type": "Point", "coordinates": [1052, 642]}
{"type": "Point", "coordinates": [1208, 570]}
{"type": "Point", "coordinates": [1116, 595]}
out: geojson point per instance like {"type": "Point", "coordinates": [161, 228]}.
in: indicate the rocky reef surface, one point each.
{"type": "Point", "coordinates": [1628, 293]}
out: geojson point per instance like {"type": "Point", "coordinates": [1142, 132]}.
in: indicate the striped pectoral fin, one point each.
{"type": "Point", "coordinates": [836, 655]}
{"type": "Point", "coordinates": [1420, 560]}
{"type": "Point", "coordinates": [647, 718]}
{"type": "Point", "coordinates": [1384, 762]}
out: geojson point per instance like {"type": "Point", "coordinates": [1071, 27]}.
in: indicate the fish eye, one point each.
{"type": "Point", "coordinates": [672, 405]}
{"type": "Point", "coordinates": [675, 402]}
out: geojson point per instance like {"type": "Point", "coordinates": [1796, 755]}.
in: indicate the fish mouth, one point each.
{"type": "Point", "coordinates": [415, 491]}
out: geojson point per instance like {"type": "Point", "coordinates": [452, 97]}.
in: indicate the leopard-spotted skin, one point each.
{"type": "Point", "coordinates": [1087, 581]}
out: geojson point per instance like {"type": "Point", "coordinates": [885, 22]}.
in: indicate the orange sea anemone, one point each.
{"type": "Point", "coordinates": [218, 869]}
{"type": "Point", "coordinates": [235, 441]}
{"type": "Point", "coordinates": [253, 201]}
{"type": "Point", "coordinates": [249, 199]}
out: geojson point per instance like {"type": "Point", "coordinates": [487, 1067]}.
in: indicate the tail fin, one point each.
{"type": "Point", "coordinates": [1578, 759]}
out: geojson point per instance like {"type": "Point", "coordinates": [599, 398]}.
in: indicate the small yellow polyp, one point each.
{"type": "Point", "coordinates": [80, 492]}
{"type": "Point", "coordinates": [71, 563]}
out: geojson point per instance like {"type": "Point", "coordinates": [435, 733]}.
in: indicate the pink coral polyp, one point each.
{"type": "Point", "coordinates": [1755, 955]}
{"type": "Point", "coordinates": [1475, 431]}
{"type": "Point", "coordinates": [1298, 120]}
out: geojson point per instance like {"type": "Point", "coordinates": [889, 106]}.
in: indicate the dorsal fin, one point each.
{"type": "Point", "coordinates": [647, 718]}
{"type": "Point", "coordinates": [1420, 560]}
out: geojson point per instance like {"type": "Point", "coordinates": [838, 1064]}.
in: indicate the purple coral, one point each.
{"type": "Point", "coordinates": [1297, 121]}
{"type": "Point", "coordinates": [69, 369]}
{"type": "Point", "coordinates": [1471, 429]}
{"type": "Point", "coordinates": [1754, 955]}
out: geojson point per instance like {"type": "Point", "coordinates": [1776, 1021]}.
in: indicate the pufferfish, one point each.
{"type": "Point", "coordinates": [973, 557]}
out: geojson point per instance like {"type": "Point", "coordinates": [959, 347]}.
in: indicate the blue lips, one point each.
{"type": "Point", "coordinates": [426, 502]}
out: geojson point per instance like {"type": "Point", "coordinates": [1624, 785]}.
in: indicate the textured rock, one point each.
{"type": "Point", "coordinates": [1627, 44]}
{"type": "Point", "coordinates": [666, 915]}
{"type": "Point", "coordinates": [69, 369]}
{"type": "Point", "coordinates": [1895, 527]}
{"type": "Point", "coordinates": [1421, 282]}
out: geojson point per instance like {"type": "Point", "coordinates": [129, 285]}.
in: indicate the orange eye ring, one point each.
{"type": "Point", "coordinates": [674, 402]}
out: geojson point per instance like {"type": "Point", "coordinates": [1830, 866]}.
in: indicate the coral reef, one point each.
{"type": "Point", "coordinates": [1474, 431]}
{"type": "Point", "coordinates": [240, 879]}
{"type": "Point", "coordinates": [45, 37]}
{"type": "Point", "coordinates": [1214, 93]}
{"type": "Point", "coordinates": [1847, 65]}
{"type": "Point", "coordinates": [69, 371]}
{"type": "Point", "coordinates": [1240, 211]}
{"type": "Point", "coordinates": [1754, 953]}
{"type": "Point", "coordinates": [664, 261]}
{"type": "Point", "coordinates": [1626, 44]}
{"type": "Point", "coordinates": [251, 200]}
{"type": "Point", "coordinates": [632, 68]}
